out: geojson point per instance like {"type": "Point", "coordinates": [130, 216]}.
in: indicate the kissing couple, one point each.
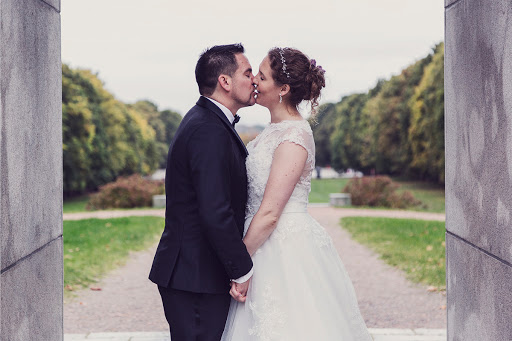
{"type": "Point", "coordinates": [240, 258]}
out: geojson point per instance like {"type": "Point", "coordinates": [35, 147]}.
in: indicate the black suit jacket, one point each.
{"type": "Point", "coordinates": [201, 247]}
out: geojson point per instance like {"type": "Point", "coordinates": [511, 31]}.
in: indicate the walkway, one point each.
{"type": "Point", "coordinates": [377, 334]}
{"type": "Point", "coordinates": [128, 302]}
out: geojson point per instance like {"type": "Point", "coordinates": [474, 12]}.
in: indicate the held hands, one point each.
{"type": "Point", "coordinates": [239, 291]}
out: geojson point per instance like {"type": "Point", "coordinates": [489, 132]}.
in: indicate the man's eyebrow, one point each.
{"type": "Point", "coordinates": [248, 70]}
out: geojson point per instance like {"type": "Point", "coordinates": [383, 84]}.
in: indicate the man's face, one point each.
{"type": "Point", "coordinates": [243, 88]}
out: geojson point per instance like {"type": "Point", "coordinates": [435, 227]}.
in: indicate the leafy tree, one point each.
{"type": "Point", "coordinates": [396, 128]}
{"type": "Point", "coordinates": [164, 123]}
{"type": "Point", "coordinates": [103, 137]}
{"type": "Point", "coordinates": [348, 139]}
{"type": "Point", "coordinates": [426, 133]}
{"type": "Point", "coordinates": [392, 117]}
{"type": "Point", "coordinates": [323, 126]}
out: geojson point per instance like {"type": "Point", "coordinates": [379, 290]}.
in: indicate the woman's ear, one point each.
{"type": "Point", "coordinates": [285, 89]}
{"type": "Point", "coordinates": [225, 82]}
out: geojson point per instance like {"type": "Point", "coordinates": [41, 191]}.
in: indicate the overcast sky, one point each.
{"type": "Point", "coordinates": [148, 49]}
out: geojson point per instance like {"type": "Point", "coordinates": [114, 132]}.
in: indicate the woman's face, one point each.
{"type": "Point", "coordinates": [268, 91]}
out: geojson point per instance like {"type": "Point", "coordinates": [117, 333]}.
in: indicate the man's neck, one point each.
{"type": "Point", "coordinates": [227, 102]}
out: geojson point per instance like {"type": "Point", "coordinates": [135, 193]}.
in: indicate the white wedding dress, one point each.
{"type": "Point", "coordinates": [300, 289]}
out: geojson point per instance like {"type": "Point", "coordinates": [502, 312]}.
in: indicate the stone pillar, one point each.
{"type": "Point", "coordinates": [478, 122]}
{"type": "Point", "coordinates": [31, 283]}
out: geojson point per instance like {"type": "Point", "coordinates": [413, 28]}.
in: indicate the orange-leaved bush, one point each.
{"type": "Point", "coordinates": [378, 191]}
{"type": "Point", "coordinates": [126, 192]}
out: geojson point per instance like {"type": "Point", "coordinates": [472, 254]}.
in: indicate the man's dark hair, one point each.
{"type": "Point", "coordinates": [213, 62]}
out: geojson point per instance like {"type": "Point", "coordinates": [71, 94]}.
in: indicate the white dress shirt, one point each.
{"type": "Point", "coordinates": [231, 118]}
{"type": "Point", "coordinates": [226, 111]}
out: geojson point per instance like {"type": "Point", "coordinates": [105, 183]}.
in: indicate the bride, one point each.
{"type": "Point", "coordinates": [300, 289]}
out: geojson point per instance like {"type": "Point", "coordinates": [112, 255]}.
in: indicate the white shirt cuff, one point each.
{"type": "Point", "coordinates": [245, 278]}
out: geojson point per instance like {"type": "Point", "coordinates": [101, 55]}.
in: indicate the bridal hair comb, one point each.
{"type": "Point", "coordinates": [283, 60]}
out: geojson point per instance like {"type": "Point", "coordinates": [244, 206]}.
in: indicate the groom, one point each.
{"type": "Point", "coordinates": [201, 248]}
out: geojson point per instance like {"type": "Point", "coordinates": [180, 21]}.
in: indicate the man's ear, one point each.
{"type": "Point", "coordinates": [225, 82]}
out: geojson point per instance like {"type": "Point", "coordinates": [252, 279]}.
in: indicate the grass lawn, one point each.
{"type": "Point", "coordinates": [92, 247]}
{"type": "Point", "coordinates": [320, 189]}
{"type": "Point", "coordinates": [431, 195]}
{"type": "Point", "coordinates": [76, 204]}
{"type": "Point", "coordinates": [416, 247]}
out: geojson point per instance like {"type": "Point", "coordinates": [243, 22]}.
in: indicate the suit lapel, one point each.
{"type": "Point", "coordinates": [206, 103]}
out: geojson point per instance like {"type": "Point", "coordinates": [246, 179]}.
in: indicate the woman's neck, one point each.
{"type": "Point", "coordinates": [284, 113]}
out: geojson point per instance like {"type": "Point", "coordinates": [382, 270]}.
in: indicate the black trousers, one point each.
{"type": "Point", "coordinates": [195, 316]}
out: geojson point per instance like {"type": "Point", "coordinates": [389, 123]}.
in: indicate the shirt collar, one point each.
{"type": "Point", "coordinates": [225, 110]}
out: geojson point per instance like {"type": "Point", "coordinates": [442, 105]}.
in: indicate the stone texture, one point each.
{"type": "Point", "coordinates": [31, 279]}
{"type": "Point", "coordinates": [450, 2]}
{"type": "Point", "coordinates": [479, 294]}
{"type": "Point", "coordinates": [54, 3]}
{"type": "Point", "coordinates": [478, 88]}
{"type": "Point", "coordinates": [32, 297]}
{"type": "Point", "coordinates": [478, 132]}
{"type": "Point", "coordinates": [31, 128]}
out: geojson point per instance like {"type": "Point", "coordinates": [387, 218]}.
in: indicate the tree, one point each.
{"type": "Point", "coordinates": [426, 133]}
{"type": "Point", "coordinates": [103, 137]}
{"type": "Point", "coordinates": [323, 126]}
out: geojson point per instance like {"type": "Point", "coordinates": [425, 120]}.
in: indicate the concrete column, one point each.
{"type": "Point", "coordinates": [31, 283]}
{"type": "Point", "coordinates": [478, 132]}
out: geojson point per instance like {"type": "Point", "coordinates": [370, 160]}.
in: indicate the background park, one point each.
{"type": "Point", "coordinates": [392, 134]}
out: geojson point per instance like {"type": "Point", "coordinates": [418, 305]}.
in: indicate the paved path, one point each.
{"type": "Point", "coordinates": [378, 334]}
{"type": "Point", "coordinates": [128, 302]}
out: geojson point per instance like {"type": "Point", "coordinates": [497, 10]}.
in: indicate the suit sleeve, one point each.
{"type": "Point", "coordinates": [210, 158]}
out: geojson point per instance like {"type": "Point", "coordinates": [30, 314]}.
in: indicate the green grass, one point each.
{"type": "Point", "coordinates": [320, 189]}
{"type": "Point", "coordinates": [431, 195]}
{"type": "Point", "coordinates": [416, 247]}
{"type": "Point", "coordinates": [92, 247]}
{"type": "Point", "coordinates": [76, 204]}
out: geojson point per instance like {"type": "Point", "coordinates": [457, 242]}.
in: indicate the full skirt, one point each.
{"type": "Point", "coordinates": [300, 289]}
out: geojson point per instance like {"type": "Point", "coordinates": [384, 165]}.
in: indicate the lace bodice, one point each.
{"type": "Point", "coordinates": [261, 152]}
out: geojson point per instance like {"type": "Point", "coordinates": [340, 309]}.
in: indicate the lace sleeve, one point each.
{"type": "Point", "coordinates": [301, 135]}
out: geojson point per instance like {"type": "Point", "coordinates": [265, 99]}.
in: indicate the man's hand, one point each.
{"type": "Point", "coordinates": [239, 291]}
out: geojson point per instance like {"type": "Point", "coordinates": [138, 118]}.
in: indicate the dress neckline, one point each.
{"type": "Point", "coordinates": [286, 121]}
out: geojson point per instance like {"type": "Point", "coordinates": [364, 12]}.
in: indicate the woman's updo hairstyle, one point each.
{"type": "Point", "coordinates": [305, 78]}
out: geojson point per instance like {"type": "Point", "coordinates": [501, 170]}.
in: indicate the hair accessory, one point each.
{"type": "Point", "coordinates": [283, 60]}
{"type": "Point", "coordinates": [313, 64]}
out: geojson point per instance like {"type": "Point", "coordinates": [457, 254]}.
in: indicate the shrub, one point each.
{"type": "Point", "coordinates": [378, 191]}
{"type": "Point", "coordinates": [126, 192]}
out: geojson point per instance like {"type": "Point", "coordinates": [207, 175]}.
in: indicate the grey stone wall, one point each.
{"type": "Point", "coordinates": [478, 132]}
{"type": "Point", "coordinates": [30, 171]}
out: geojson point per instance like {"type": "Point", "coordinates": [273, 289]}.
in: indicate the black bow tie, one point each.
{"type": "Point", "coordinates": [235, 121]}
